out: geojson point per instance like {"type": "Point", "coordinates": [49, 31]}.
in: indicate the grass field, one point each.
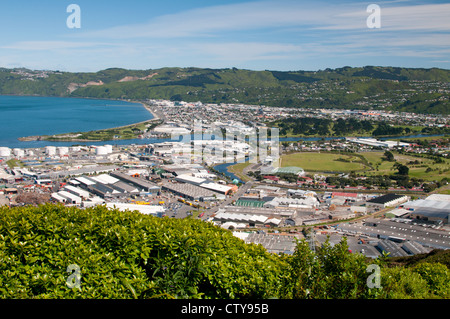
{"type": "Point", "coordinates": [121, 133]}
{"type": "Point", "coordinates": [328, 162]}
{"type": "Point", "coordinates": [415, 170]}
{"type": "Point", "coordinates": [237, 170]}
{"type": "Point", "coordinates": [321, 162]}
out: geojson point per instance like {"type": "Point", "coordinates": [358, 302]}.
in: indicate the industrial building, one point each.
{"type": "Point", "coordinates": [189, 191]}
{"type": "Point", "coordinates": [399, 231]}
{"type": "Point", "coordinates": [376, 143]}
{"type": "Point", "coordinates": [204, 183]}
{"type": "Point", "coordinates": [273, 243]}
{"type": "Point", "coordinates": [388, 200]}
{"type": "Point", "coordinates": [434, 209]}
{"type": "Point", "coordinates": [251, 220]}
{"type": "Point", "coordinates": [270, 170]}
{"type": "Point", "coordinates": [142, 185]}
{"type": "Point", "coordinates": [154, 210]}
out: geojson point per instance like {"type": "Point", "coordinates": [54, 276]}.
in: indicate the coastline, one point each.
{"type": "Point", "coordinates": [72, 137]}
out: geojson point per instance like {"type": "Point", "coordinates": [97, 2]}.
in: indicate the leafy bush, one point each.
{"type": "Point", "coordinates": [437, 277]}
{"type": "Point", "coordinates": [333, 272]}
{"type": "Point", "coordinates": [124, 255]}
{"type": "Point", "coordinates": [403, 283]}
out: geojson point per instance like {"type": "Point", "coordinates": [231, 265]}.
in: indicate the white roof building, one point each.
{"type": "Point", "coordinates": [105, 179]}
{"type": "Point", "coordinates": [143, 209]}
{"type": "Point", "coordinates": [71, 198]}
{"type": "Point", "coordinates": [76, 191]}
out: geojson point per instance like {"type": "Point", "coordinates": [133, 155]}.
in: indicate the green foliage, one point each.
{"type": "Point", "coordinates": [127, 255]}
{"type": "Point", "coordinates": [333, 272]}
{"type": "Point", "coordinates": [437, 277]}
{"type": "Point", "coordinates": [409, 90]}
{"type": "Point", "coordinates": [403, 283]}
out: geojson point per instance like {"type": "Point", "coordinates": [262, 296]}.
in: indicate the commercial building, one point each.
{"type": "Point", "coordinates": [376, 143]}
{"type": "Point", "coordinates": [154, 210]}
{"type": "Point", "coordinates": [435, 209]}
{"type": "Point", "coordinates": [388, 200]}
{"type": "Point", "coordinates": [251, 220]}
{"type": "Point", "coordinates": [204, 183]}
{"type": "Point", "coordinates": [189, 191]}
{"type": "Point", "coordinates": [273, 243]}
{"type": "Point", "coordinates": [141, 184]}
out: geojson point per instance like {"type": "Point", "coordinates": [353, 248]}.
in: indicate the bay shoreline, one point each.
{"type": "Point", "coordinates": [66, 137]}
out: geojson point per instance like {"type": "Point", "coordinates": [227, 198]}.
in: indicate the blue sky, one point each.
{"type": "Point", "coordinates": [258, 35]}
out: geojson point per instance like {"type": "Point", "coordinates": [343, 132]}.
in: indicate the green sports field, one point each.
{"type": "Point", "coordinates": [419, 167]}
{"type": "Point", "coordinates": [323, 162]}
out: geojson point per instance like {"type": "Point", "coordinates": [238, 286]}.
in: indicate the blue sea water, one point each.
{"type": "Point", "coordinates": [22, 116]}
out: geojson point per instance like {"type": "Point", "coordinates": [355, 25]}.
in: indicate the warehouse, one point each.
{"type": "Point", "coordinates": [104, 191]}
{"type": "Point", "coordinates": [141, 184]}
{"type": "Point", "coordinates": [204, 183]}
{"type": "Point", "coordinates": [283, 170]}
{"type": "Point", "coordinates": [414, 248]}
{"type": "Point", "coordinates": [273, 243]}
{"type": "Point", "coordinates": [434, 209]}
{"type": "Point", "coordinates": [388, 200]}
{"type": "Point", "coordinates": [188, 191]}
{"type": "Point", "coordinates": [70, 198]}
{"type": "Point", "coordinates": [77, 191]}
{"type": "Point", "coordinates": [250, 219]}
{"type": "Point", "coordinates": [222, 189]}
{"type": "Point", "coordinates": [391, 248]}
{"type": "Point", "coordinates": [58, 198]}
{"type": "Point", "coordinates": [188, 178]}
{"type": "Point", "coordinates": [154, 210]}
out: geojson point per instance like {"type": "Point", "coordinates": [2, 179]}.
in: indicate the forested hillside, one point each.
{"type": "Point", "coordinates": [370, 87]}
{"type": "Point", "coordinates": [129, 255]}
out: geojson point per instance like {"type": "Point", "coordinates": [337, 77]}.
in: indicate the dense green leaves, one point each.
{"type": "Point", "coordinates": [130, 255]}
{"type": "Point", "coordinates": [126, 255]}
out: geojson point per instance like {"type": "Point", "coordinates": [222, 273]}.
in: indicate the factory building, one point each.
{"type": "Point", "coordinates": [434, 209]}
{"type": "Point", "coordinates": [204, 183]}
{"type": "Point", "coordinates": [251, 220]}
{"type": "Point", "coordinates": [154, 210]}
{"type": "Point", "coordinates": [376, 143]}
{"type": "Point", "coordinates": [189, 191]}
{"type": "Point", "coordinates": [140, 183]}
{"type": "Point", "coordinates": [388, 200]}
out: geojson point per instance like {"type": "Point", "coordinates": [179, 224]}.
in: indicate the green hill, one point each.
{"type": "Point", "coordinates": [126, 255]}
{"type": "Point", "coordinates": [371, 87]}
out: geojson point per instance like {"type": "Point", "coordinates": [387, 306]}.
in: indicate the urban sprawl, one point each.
{"type": "Point", "coordinates": [264, 201]}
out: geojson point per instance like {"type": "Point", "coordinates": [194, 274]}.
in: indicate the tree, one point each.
{"type": "Point", "coordinates": [403, 169]}
{"type": "Point", "coordinates": [388, 156]}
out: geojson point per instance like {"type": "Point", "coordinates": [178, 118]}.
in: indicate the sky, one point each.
{"type": "Point", "coordinates": [283, 35]}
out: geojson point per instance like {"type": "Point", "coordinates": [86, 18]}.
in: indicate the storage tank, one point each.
{"type": "Point", "coordinates": [109, 148]}
{"type": "Point", "coordinates": [63, 151]}
{"type": "Point", "coordinates": [5, 152]}
{"type": "Point", "coordinates": [18, 152]}
{"type": "Point", "coordinates": [101, 150]}
{"type": "Point", "coordinates": [75, 149]}
{"type": "Point", "coordinates": [50, 150]}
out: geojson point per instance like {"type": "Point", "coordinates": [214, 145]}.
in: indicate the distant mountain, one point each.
{"type": "Point", "coordinates": [371, 87]}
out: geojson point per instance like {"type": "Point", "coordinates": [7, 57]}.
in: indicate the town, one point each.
{"type": "Point", "coordinates": [384, 196]}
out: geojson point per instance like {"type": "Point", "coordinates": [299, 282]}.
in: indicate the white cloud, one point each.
{"type": "Point", "coordinates": [211, 20]}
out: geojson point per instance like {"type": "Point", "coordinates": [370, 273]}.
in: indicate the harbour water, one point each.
{"type": "Point", "coordinates": [22, 116]}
